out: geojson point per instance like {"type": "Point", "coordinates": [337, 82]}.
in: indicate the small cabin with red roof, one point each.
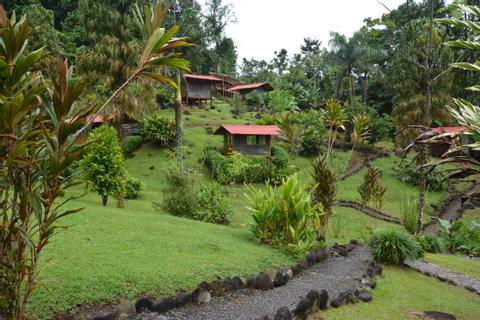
{"type": "Point", "coordinates": [199, 87]}
{"type": "Point", "coordinates": [247, 88]}
{"type": "Point", "coordinates": [248, 139]}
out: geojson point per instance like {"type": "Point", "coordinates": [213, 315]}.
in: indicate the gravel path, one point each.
{"type": "Point", "coordinates": [335, 275]}
{"type": "Point", "coordinates": [454, 278]}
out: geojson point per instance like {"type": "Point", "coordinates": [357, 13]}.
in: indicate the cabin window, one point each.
{"type": "Point", "coordinates": [229, 140]}
{"type": "Point", "coordinates": [262, 140]}
{"type": "Point", "coordinates": [251, 140]}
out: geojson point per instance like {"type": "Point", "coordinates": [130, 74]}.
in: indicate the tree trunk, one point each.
{"type": "Point", "coordinates": [364, 90]}
{"type": "Point", "coordinates": [178, 120]}
{"type": "Point", "coordinates": [350, 88]}
{"type": "Point", "coordinates": [7, 292]}
{"type": "Point", "coordinates": [422, 187]}
{"type": "Point", "coordinates": [104, 200]}
{"type": "Point", "coordinates": [422, 159]}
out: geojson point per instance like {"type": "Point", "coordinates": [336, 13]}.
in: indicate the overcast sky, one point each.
{"type": "Point", "coordinates": [265, 26]}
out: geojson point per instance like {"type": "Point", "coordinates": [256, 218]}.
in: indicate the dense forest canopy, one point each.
{"type": "Point", "coordinates": [390, 65]}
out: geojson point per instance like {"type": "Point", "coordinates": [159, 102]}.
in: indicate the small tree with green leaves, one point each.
{"type": "Point", "coordinates": [323, 193]}
{"type": "Point", "coordinates": [372, 188]}
{"type": "Point", "coordinates": [104, 164]}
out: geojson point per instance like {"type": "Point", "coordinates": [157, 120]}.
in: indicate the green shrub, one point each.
{"type": "Point", "coordinates": [283, 215]}
{"type": "Point", "coordinates": [159, 129]}
{"type": "Point", "coordinates": [133, 187]}
{"type": "Point", "coordinates": [312, 140]}
{"type": "Point", "coordinates": [432, 244]}
{"type": "Point", "coordinates": [104, 165]}
{"type": "Point", "coordinates": [179, 194]}
{"type": "Point", "coordinates": [236, 104]}
{"type": "Point", "coordinates": [237, 168]}
{"type": "Point", "coordinates": [279, 157]}
{"type": "Point", "coordinates": [254, 99]}
{"type": "Point", "coordinates": [131, 144]}
{"type": "Point", "coordinates": [393, 246]}
{"type": "Point", "coordinates": [211, 205]}
{"type": "Point", "coordinates": [409, 173]}
{"type": "Point", "coordinates": [461, 236]}
{"type": "Point", "coordinates": [267, 119]}
{"type": "Point", "coordinates": [409, 213]}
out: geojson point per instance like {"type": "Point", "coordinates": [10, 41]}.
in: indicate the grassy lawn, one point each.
{"type": "Point", "coordinates": [404, 292]}
{"type": "Point", "coordinates": [471, 214]}
{"type": "Point", "coordinates": [111, 253]}
{"type": "Point", "coordinates": [461, 264]}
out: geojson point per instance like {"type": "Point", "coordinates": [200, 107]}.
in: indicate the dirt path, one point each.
{"type": "Point", "coordinates": [335, 275]}
{"type": "Point", "coordinates": [451, 277]}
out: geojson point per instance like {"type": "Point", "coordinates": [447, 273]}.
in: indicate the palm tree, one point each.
{"type": "Point", "coordinates": [334, 117]}
{"type": "Point", "coordinates": [152, 19]}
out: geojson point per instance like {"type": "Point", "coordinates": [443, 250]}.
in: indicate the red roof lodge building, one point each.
{"type": "Point", "coordinates": [248, 139]}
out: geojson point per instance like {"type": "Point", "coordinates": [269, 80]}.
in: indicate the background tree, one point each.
{"type": "Point", "coordinates": [104, 165]}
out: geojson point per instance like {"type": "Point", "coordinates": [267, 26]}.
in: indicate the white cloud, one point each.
{"type": "Point", "coordinates": [265, 26]}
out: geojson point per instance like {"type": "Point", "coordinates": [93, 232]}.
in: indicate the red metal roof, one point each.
{"type": "Point", "coordinates": [252, 86]}
{"type": "Point", "coordinates": [241, 129]}
{"type": "Point", "coordinates": [99, 118]}
{"type": "Point", "coordinates": [201, 77]}
{"type": "Point", "coordinates": [442, 130]}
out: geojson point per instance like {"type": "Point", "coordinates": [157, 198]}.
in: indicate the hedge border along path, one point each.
{"type": "Point", "coordinates": [345, 276]}
{"type": "Point", "coordinates": [454, 278]}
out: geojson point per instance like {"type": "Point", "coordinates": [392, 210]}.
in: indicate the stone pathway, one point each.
{"type": "Point", "coordinates": [336, 274]}
{"type": "Point", "coordinates": [451, 277]}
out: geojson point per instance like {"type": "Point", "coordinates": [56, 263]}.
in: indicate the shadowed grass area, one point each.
{"type": "Point", "coordinates": [404, 292]}
{"type": "Point", "coordinates": [462, 264]}
{"type": "Point", "coordinates": [110, 253]}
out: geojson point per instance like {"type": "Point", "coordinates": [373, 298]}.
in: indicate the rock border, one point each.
{"type": "Point", "coordinates": [365, 161]}
{"type": "Point", "coordinates": [451, 277]}
{"type": "Point", "coordinates": [204, 292]}
{"type": "Point", "coordinates": [374, 213]}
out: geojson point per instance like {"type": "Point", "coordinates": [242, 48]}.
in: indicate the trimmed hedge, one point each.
{"type": "Point", "coordinates": [237, 168]}
{"type": "Point", "coordinates": [131, 144]}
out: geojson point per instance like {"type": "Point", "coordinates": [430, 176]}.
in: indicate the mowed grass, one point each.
{"type": "Point", "coordinates": [462, 264]}
{"type": "Point", "coordinates": [108, 254]}
{"type": "Point", "coordinates": [405, 292]}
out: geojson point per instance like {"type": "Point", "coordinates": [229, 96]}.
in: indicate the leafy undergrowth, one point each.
{"type": "Point", "coordinates": [462, 264]}
{"type": "Point", "coordinates": [404, 292]}
{"type": "Point", "coordinates": [111, 253]}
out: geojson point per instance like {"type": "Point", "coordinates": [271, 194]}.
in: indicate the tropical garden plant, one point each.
{"type": "Point", "coordinates": [40, 122]}
{"type": "Point", "coordinates": [372, 188]}
{"type": "Point", "coordinates": [323, 193]}
{"type": "Point", "coordinates": [393, 246]}
{"type": "Point", "coordinates": [284, 215]}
